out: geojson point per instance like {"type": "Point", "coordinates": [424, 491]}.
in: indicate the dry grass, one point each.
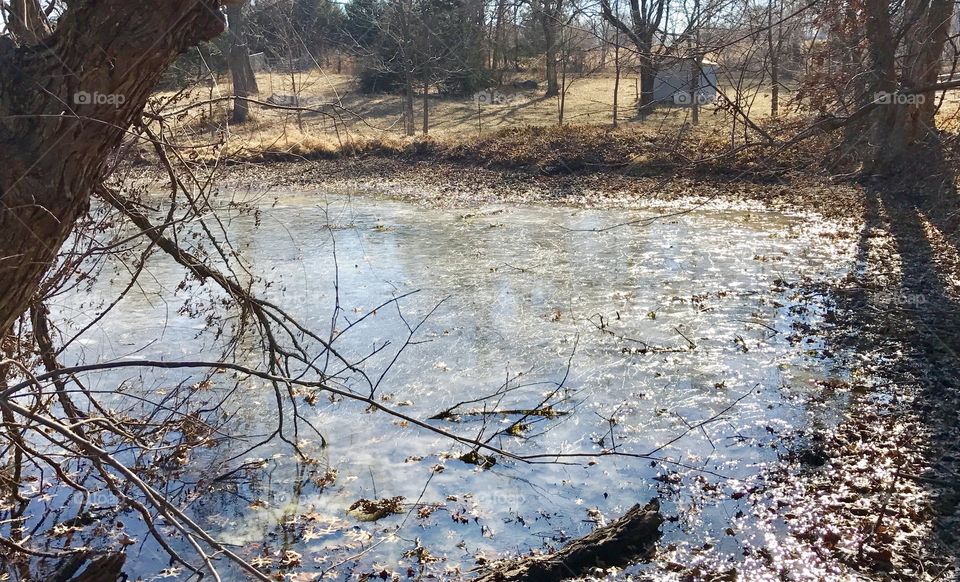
{"type": "Point", "coordinates": [522, 133]}
{"type": "Point", "coordinates": [364, 123]}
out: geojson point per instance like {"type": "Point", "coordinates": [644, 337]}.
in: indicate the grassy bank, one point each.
{"type": "Point", "coordinates": [524, 132]}
{"type": "Point", "coordinates": [551, 150]}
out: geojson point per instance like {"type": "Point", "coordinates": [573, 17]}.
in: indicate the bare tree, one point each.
{"type": "Point", "coordinates": [549, 14]}
{"type": "Point", "coordinates": [774, 48]}
{"type": "Point", "coordinates": [875, 73]}
{"type": "Point", "coordinates": [906, 58]}
{"type": "Point", "coordinates": [238, 58]}
{"type": "Point", "coordinates": [646, 19]}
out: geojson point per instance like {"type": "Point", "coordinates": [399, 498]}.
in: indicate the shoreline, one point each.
{"type": "Point", "coordinates": [447, 184]}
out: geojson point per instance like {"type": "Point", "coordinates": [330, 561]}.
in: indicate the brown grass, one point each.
{"type": "Point", "coordinates": [522, 134]}
{"type": "Point", "coordinates": [373, 123]}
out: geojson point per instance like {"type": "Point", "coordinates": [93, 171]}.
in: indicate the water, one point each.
{"type": "Point", "coordinates": [638, 333]}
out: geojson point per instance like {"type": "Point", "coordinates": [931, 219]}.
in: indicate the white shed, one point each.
{"type": "Point", "coordinates": [673, 84]}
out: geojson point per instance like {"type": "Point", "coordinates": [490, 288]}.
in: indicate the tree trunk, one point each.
{"type": "Point", "coordinates": [64, 107]}
{"type": "Point", "coordinates": [616, 78]}
{"type": "Point", "coordinates": [563, 86]}
{"type": "Point", "coordinates": [904, 124]}
{"type": "Point", "coordinates": [498, 49]}
{"type": "Point", "coordinates": [550, 22]}
{"type": "Point", "coordinates": [647, 67]}
{"type": "Point", "coordinates": [406, 52]}
{"type": "Point", "coordinates": [648, 73]}
{"type": "Point", "coordinates": [773, 48]}
{"type": "Point", "coordinates": [696, 64]}
{"type": "Point", "coordinates": [645, 22]}
{"type": "Point", "coordinates": [696, 68]}
{"type": "Point", "coordinates": [516, 38]}
{"type": "Point", "coordinates": [604, 44]}
{"type": "Point", "coordinates": [238, 58]}
{"type": "Point", "coordinates": [26, 21]}
{"type": "Point", "coordinates": [426, 107]}
{"type": "Point", "coordinates": [774, 87]}
{"type": "Point", "coordinates": [553, 85]}
{"type": "Point", "coordinates": [409, 123]}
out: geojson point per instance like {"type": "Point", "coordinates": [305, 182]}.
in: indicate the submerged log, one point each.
{"type": "Point", "coordinates": [104, 568]}
{"type": "Point", "coordinates": [630, 539]}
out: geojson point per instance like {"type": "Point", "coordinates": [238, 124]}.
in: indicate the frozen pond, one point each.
{"type": "Point", "coordinates": [632, 336]}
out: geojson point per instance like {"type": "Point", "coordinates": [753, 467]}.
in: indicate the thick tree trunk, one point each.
{"type": "Point", "coordinates": [645, 20]}
{"type": "Point", "coordinates": [549, 13]}
{"type": "Point", "coordinates": [604, 44]}
{"type": "Point", "coordinates": [647, 67]}
{"type": "Point", "coordinates": [563, 86]}
{"type": "Point", "coordinates": [409, 122]}
{"type": "Point", "coordinates": [648, 74]}
{"type": "Point", "coordinates": [499, 46]}
{"type": "Point", "coordinates": [553, 85]}
{"type": "Point", "coordinates": [516, 38]}
{"type": "Point", "coordinates": [696, 64]}
{"type": "Point", "coordinates": [774, 87]}
{"type": "Point", "coordinates": [238, 58]}
{"type": "Point", "coordinates": [903, 122]}
{"type": "Point", "coordinates": [64, 107]}
{"type": "Point", "coordinates": [26, 21]}
{"type": "Point", "coordinates": [406, 52]}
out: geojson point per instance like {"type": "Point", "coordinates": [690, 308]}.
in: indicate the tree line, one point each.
{"type": "Point", "coordinates": [829, 58]}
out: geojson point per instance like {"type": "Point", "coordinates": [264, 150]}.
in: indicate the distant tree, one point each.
{"type": "Point", "coordinates": [238, 59]}
{"type": "Point", "coordinates": [549, 14]}
{"type": "Point", "coordinates": [320, 24]}
{"type": "Point", "coordinates": [407, 43]}
{"type": "Point", "coordinates": [644, 31]}
{"type": "Point", "coordinates": [298, 29]}
{"type": "Point", "coordinates": [362, 22]}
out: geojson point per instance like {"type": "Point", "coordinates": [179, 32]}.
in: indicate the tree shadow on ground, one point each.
{"type": "Point", "coordinates": [905, 308]}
